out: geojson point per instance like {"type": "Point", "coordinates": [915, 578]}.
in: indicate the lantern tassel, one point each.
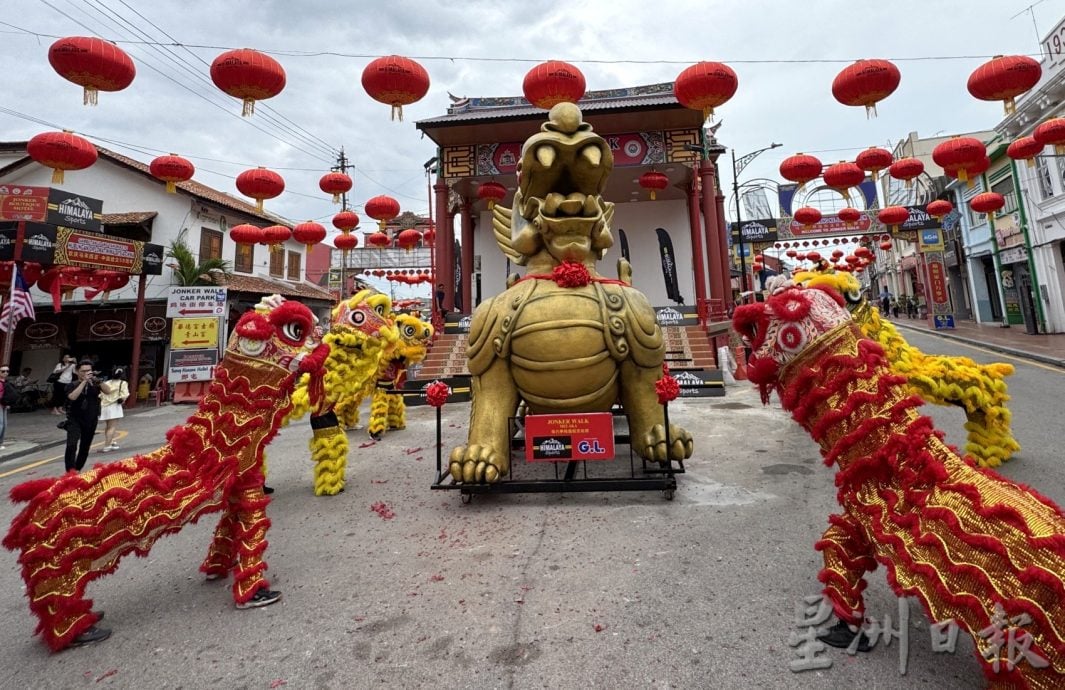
{"type": "Point", "coordinates": [397, 113]}
{"type": "Point", "coordinates": [249, 107]}
{"type": "Point", "coordinates": [1059, 149]}
{"type": "Point", "coordinates": [1030, 162]}
{"type": "Point", "coordinates": [57, 176]}
{"type": "Point", "coordinates": [873, 174]}
{"type": "Point", "coordinates": [171, 188]}
{"type": "Point", "coordinates": [336, 198]}
{"type": "Point", "coordinates": [870, 111]}
{"type": "Point", "coordinates": [652, 195]}
{"type": "Point", "coordinates": [89, 96]}
{"type": "Point", "coordinates": [259, 205]}
{"type": "Point", "coordinates": [1010, 106]}
{"type": "Point", "coordinates": [491, 204]}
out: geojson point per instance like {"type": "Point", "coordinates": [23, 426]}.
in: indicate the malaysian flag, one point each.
{"type": "Point", "coordinates": [19, 304]}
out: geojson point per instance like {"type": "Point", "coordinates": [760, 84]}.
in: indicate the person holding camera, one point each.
{"type": "Point", "coordinates": [83, 414]}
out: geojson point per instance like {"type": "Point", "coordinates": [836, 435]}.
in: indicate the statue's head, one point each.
{"type": "Point", "coordinates": [278, 333]}
{"type": "Point", "coordinates": [780, 329]}
{"type": "Point", "coordinates": [558, 206]}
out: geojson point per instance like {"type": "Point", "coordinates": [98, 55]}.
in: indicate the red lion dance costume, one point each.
{"type": "Point", "coordinates": [960, 538]}
{"type": "Point", "coordinates": [77, 527]}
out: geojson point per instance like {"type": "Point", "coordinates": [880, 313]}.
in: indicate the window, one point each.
{"type": "Point", "coordinates": [277, 263]}
{"type": "Point", "coordinates": [1042, 173]}
{"type": "Point", "coordinates": [244, 259]}
{"type": "Point", "coordinates": [1005, 188]}
{"type": "Point", "coordinates": [210, 244]}
{"type": "Point", "coordinates": [293, 265]}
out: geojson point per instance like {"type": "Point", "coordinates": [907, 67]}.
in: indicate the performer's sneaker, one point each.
{"type": "Point", "coordinates": [93, 634]}
{"type": "Point", "coordinates": [841, 636]}
{"type": "Point", "coordinates": [210, 577]}
{"type": "Point", "coordinates": [268, 489]}
{"type": "Point", "coordinates": [264, 597]}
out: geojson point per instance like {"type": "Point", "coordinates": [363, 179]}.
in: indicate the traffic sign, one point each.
{"type": "Point", "coordinates": [196, 301]}
{"type": "Point", "coordinates": [942, 321]}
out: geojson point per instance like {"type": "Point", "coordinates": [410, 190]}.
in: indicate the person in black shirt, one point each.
{"type": "Point", "coordinates": [83, 414]}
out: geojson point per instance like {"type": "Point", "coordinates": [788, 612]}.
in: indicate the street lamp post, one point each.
{"type": "Point", "coordinates": [737, 168]}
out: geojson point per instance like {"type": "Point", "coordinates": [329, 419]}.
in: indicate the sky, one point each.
{"type": "Point", "coordinates": [785, 53]}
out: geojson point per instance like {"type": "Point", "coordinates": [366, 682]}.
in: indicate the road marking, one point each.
{"type": "Point", "coordinates": [119, 436]}
{"type": "Point", "coordinates": [995, 353]}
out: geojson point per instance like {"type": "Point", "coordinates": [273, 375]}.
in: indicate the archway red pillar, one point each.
{"type": "Point", "coordinates": [698, 266]}
{"type": "Point", "coordinates": [467, 256]}
{"type": "Point", "coordinates": [707, 175]}
{"type": "Point", "coordinates": [440, 272]}
{"type": "Point", "coordinates": [722, 238]}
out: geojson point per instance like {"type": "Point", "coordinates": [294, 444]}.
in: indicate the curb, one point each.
{"type": "Point", "coordinates": [1052, 361]}
{"type": "Point", "coordinates": [32, 448]}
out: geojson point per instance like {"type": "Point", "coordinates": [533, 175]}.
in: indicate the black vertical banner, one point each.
{"type": "Point", "coordinates": [624, 245]}
{"type": "Point", "coordinates": [669, 265]}
{"type": "Point", "coordinates": [458, 276]}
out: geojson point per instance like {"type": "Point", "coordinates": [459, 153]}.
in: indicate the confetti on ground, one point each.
{"type": "Point", "coordinates": [278, 683]}
{"type": "Point", "coordinates": [412, 451]}
{"type": "Point", "coordinates": [367, 444]}
{"type": "Point", "coordinates": [107, 675]}
{"type": "Point", "coordinates": [436, 578]}
{"type": "Point", "coordinates": [378, 481]}
{"type": "Point", "coordinates": [382, 509]}
{"type": "Point", "coordinates": [599, 627]}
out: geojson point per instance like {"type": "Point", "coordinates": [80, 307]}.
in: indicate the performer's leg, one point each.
{"type": "Point", "coordinates": [329, 451]}
{"type": "Point", "coordinates": [397, 412]}
{"type": "Point", "coordinates": [847, 557]}
{"type": "Point", "coordinates": [378, 413]}
{"type": "Point", "coordinates": [248, 505]}
{"type": "Point", "coordinates": [221, 556]}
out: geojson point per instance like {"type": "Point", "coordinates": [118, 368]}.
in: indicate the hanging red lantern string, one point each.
{"type": "Point", "coordinates": [849, 215]}
{"type": "Point", "coordinates": [808, 216]}
{"type": "Point", "coordinates": [492, 191]}
{"type": "Point", "coordinates": [248, 75]}
{"type": "Point", "coordinates": [866, 82]}
{"type": "Point", "coordinates": [259, 184]}
{"type": "Point", "coordinates": [1052, 133]}
{"type": "Point", "coordinates": [92, 63]}
{"type": "Point", "coordinates": [1026, 149]}
{"type": "Point", "coordinates": [408, 239]}
{"type": "Point", "coordinates": [1003, 78]}
{"type": "Point", "coordinates": [906, 169]}
{"type": "Point", "coordinates": [705, 86]}
{"type": "Point", "coordinates": [382, 209]}
{"type": "Point", "coordinates": [801, 168]}
{"type": "Point", "coordinates": [396, 81]}
{"type": "Point", "coordinates": [345, 242]}
{"type": "Point", "coordinates": [958, 155]}
{"type": "Point", "coordinates": [653, 181]}
{"type": "Point", "coordinates": [335, 183]}
{"type": "Point", "coordinates": [309, 233]}
{"type": "Point", "coordinates": [245, 233]}
{"type": "Point", "coordinates": [842, 176]}
{"type": "Point", "coordinates": [346, 221]}
{"type": "Point", "coordinates": [378, 239]}
{"type": "Point", "coordinates": [172, 169]}
{"type": "Point", "coordinates": [274, 236]}
{"type": "Point", "coordinates": [61, 151]}
{"type": "Point", "coordinates": [873, 160]}
{"type": "Point", "coordinates": [989, 203]}
{"type": "Point", "coordinates": [893, 217]}
{"type": "Point", "coordinates": [553, 82]}
{"type": "Point", "coordinates": [939, 208]}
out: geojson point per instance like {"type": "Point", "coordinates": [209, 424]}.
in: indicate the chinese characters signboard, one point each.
{"type": "Point", "coordinates": [186, 302]}
{"type": "Point", "coordinates": [564, 437]}
{"type": "Point", "coordinates": [192, 365]}
{"type": "Point", "coordinates": [189, 334]}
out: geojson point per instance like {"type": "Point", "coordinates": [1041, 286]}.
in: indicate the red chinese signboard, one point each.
{"type": "Point", "coordinates": [88, 250]}
{"type": "Point", "coordinates": [937, 283]}
{"type": "Point", "coordinates": [565, 437]}
{"type": "Point", "coordinates": [19, 202]}
{"type": "Point", "coordinates": [830, 225]}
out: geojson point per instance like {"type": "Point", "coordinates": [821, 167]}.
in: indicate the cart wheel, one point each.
{"type": "Point", "coordinates": [466, 498]}
{"type": "Point", "coordinates": [669, 494]}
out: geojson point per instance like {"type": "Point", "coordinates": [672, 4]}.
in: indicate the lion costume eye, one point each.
{"type": "Point", "coordinates": [293, 332]}
{"type": "Point", "coordinates": [380, 309]}
{"type": "Point", "coordinates": [408, 331]}
{"type": "Point", "coordinates": [356, 318]}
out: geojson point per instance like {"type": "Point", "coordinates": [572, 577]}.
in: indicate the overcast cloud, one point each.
{"type": "Point", "coordinates": [781, 99]}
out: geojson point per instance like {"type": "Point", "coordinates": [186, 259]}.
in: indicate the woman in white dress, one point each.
{"type": "Point", "coordinates": [111, 406]}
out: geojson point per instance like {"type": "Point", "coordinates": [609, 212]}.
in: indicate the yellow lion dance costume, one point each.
{"type": "Point", "coordinates": [980, 389]}
{"type": "Point", "coordinates": [361, 331]}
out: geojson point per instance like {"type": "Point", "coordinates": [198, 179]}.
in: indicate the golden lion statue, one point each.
{"type": "Point", "coordinates": [562, 339]}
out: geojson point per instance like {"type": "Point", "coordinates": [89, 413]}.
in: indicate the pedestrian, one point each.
{"type": "Point", "coordinates": [111, 407]}
{"type": "Point", "coordinates": [23, 379]}
{"type": "Point", "coordinates": [83, 414]}
{"type": "Point", "coordinates": [440, 298]}
{"type": "Point", "coordinates": [894, 307]}
{"type": "Point", "coordinates": [60, 378]}
{"type": "Point", "coordinates": [885, 301]}
{"type": "Point", "coordinates": [8, 397]}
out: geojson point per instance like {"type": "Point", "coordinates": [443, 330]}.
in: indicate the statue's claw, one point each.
{"type": "Point", "coordinates": [476, 464]}
{"type": "Point", "coordinates": [654, 443]}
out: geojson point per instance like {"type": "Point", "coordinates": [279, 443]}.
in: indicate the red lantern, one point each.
{"type": "Point", "coordinates": [1004, 78]}
{"type": "Point", "coordinates": [396, 81]}
{"type": "Point", "coordinates": [886, 245]}
{"type": "Point", "coordinates": [429, 235]}
{"type": "Point", "coordinates": [653, 180]}
{"type": "Point", "coordinates": [939, 208]}
{"type": "Point", "coordinates": [259, 184]}
{"type": "Point", "coordinates": [1026, 149]}
{"type": "Point", "coordinates": [553, 82]}
{"type": "Point", "coordinates": [382, 209]}
{"type": "Point", "coordinates": [865, 252]}
{"type": "Point", "coordinates": [492, 191]}
{"type": "Point", "coordinates": [849, 215]}
{"type": "Point", "coordinates": [309, 233]}
{"type": "Point", "coordinates": [378, 239]}
{"type": "Point", "coordinates": [852, 260]}
{"type": "Point", "coordinates": [808, 216]}
{"type": "Point", "coordinates": [248, 75]}
{"type": "Point", "coordinates": [892, 216]}
{"type": "Point", "coordinates": [705, 86]}
{"type": "Point", "coordinates": [335, 183]}
{"type": "Point", "coordinates": [801, 168]}
{"type": "Point", "coordinates": [906, 169]}
{"type": "Point", "coordinates": [92, 63]}
{"type": "Point", "coordinates": [408, 239]}
{"type": "Point", "coordinates": [172, 169]}
{"type": "Point", "coordinates": [989, 203]}
{"type": "Point", "coordinates": [958, 155]}
{"type": "Point", "coordinates": [792, 253]}
{"type": "Point", "coordinates": [973, 171]}
{"type": "Point", "coordinates": [866, 82]}
{"type": "Point", "coordinates": [274, 236]}
{"type": "Point", "coordinates": [61, 151]}
{"type": "Point", "coordinates": [345, 242]}
{"type": "Point", "coordinates": [246, 233]}
{"type": "Point", "coordinates": [1052, 133]}
{"type": "Point", "coordinates": [837, 254]}
{"type": "Point", "coordinates": [813, 256]}
{"type": "Point", "coordinates": [873, 160]}
{"type": "Point", "coordinates": [346, 221]}
{"type": "Point", "coordinates": [842, 176]}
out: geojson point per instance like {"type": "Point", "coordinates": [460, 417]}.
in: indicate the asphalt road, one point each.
{"type": "Point", "coordinates": [516, 591]}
